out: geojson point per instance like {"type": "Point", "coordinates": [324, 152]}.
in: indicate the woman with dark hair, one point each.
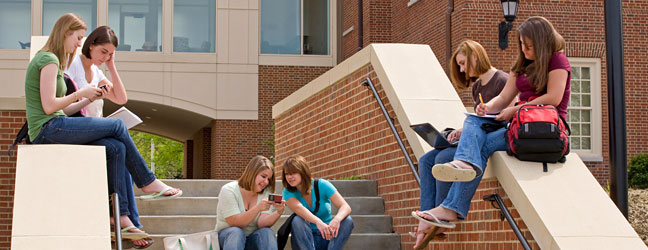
{"type": "Point", "coordinates": [45, 100]}
{"type": "Point", "coordinates": [314, 229]}
{"type": "Point", "coordinates": [244, 212]}
{"type": "Point", "coordinates": [99, 48]}
{"type": "Point", "coordinates": [540, 75]}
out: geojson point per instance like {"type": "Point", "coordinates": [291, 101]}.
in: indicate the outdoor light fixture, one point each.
{"type": "Point", "coordinates": [510, 8]}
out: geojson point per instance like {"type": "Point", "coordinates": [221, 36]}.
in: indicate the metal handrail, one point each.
{"type": "Point", "coordinates": [118, 236]}
{"type": "Point", "coordinates": [505, 213]}
{"type": "Point", "coordinates": [367, 82]}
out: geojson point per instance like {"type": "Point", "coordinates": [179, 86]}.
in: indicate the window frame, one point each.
{"type": "Point", "coordinates": [596, 121]}
{"type": "Point", "coordinates": [305, 59]}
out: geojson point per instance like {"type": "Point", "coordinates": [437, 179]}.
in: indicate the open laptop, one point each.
{"type": "Point", "coordinates": [429, 134]}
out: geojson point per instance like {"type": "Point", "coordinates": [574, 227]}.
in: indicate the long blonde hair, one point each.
{"type": "Point", "coordinates": [546, 41]}
{"type": "Point", "coordinates": [56, 42]}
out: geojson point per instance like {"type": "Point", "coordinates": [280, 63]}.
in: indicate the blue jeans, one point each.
{"type": "Point", "coordinates": [455, 196]}
{"type": "Point", "coordinates": [132, 204]}
{"type": "Point", "coordinates": [121, 153]}
{"type": "Point", "coordinates": [476, 145]}
{"type": "Point", "coordinates": [303, 238]}
{"type": "Point", "coordinates": [233, 238]}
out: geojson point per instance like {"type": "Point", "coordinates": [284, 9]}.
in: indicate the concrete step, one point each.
{"type": "Point", "coordinates": [188, 224]}
{"type": "Point", "coordinates": [211, 188]}
{"type": "Point", "coordinates": [357, 241]}
{"type": "Point", "coordinates": [207, 206]}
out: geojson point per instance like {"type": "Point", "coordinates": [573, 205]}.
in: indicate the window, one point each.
{"type": "Point", "coordinates": [584, 111]}
{"type": "Point", "coordinates": [15, 24]}
{"type": "Point", "coordinates": [53, 9]}
{"type": "Point", "coordinates": [194, 25]}
{"type": "Point", "coordinates": [137, 24]}
{"type": "Point", "coordinates": [286, 28]}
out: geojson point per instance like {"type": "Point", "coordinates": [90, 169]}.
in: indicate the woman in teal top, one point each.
{"type": "Point", "coordinates": [321, 230]}
{"type": "Point", "coordinates": [45, 101]}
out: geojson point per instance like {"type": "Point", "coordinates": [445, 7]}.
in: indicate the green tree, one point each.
{"type": "Point", "coordinates": [168, 154]}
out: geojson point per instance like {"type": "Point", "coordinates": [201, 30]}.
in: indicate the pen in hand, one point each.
{"type": "Point", "coordinates": [482, 102]}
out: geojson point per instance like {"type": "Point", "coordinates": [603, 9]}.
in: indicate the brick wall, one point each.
{"type": "Point", "coordinates": [341, 131]}
{"type": "Point", "coordinates": [235, 142]}
{"type": "Point", "coordinates": [10, 124]}
{"type": "Point", "coordinates": [581, 22]}
{"type": "Point", "coordinates": [377, 18]}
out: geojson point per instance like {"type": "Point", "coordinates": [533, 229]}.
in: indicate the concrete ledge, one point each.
{"type": "Point", "coordinates": [61, 198]}
{"type": "Point", "coordinates": [564, 208]}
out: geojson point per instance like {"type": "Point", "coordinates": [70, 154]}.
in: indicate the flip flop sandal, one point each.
{"type": "Point", "coordinates": [128, 235]}
{"type": "Point", "coordinates": [451, 172]}
{"type": "Point", "coordinates": [160, 195]}
{"type": "Point", "coordinates": [149, 242]}
{"type": "Point", "coordinates": [437, 236]}
{"type": "Point", "coordinates": [128, 244]}
{"type": "Point", "coordinates": [435, 222]}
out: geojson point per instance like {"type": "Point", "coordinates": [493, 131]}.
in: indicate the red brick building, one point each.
{"type": "Point", "coordinates": [227, 144]}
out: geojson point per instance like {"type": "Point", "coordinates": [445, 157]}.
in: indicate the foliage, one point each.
{"type": "Point", "coordinates": [168, 154]}
{"type": "Point", "coordinates": [350, 178]}
{"type": "Point", "coordinates": [638, 171]}
{"type": "Point", "coordinates": [271, 146]}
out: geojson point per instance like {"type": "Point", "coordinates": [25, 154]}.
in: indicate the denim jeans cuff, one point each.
{"type": "Point", "coordinates": [460, 215]}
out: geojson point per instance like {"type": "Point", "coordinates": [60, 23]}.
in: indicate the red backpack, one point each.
{"type": "Point", "coordinates": [538, 133]}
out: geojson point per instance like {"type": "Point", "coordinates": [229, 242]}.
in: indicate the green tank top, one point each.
{"type": "Point", "coordinates": [36, 116]}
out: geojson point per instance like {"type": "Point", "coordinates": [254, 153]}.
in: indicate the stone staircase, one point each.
{"type": "Point", "coordinates": [195, 212]}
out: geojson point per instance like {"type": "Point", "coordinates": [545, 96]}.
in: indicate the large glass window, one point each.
{"type": "Point", "coordinates": [280, 26]}
{"type": "Point", "coordinates": [316, 26]}
{"type": "Point", "coordinates": [15, 24]}
{"type": "Point", "coordinates": [287, 29]}
{"type": "Point", "coordinates": [137, 23]}
{"type": "Point", "coordinates": [53, 9]}
{"type": "Point", "coordinates": [584, 111]}
{"type": "Point", "coordinates": [580, 108]}
{"type": "Point", "coordinates": [194, 23]}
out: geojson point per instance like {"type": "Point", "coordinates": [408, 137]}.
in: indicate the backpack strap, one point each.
{"type": "Point", "coordinates": [22, 136]}
{"type": "Point", "coordinates": [317, 197]}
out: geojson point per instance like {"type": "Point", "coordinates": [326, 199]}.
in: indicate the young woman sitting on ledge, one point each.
{"type": "Point", "coordinates": [468, 65]}
{"type": "Point", "coordinates": [45, 101]}
{"type": "Point", "coordinates": [540, 75]}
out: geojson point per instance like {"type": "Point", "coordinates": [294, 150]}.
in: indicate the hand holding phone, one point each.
{"type": "Point", "coordinates": [276, 198]}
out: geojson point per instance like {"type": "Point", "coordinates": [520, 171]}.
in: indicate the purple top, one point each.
{"type": "Point", "coordinates": [558, 61]}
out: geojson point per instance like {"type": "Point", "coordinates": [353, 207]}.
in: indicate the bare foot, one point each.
{"type": "Point", "coordinates": [157, 186]}
{"type": "Point", "coordinates": [142, 242]}
{"type": "Point", "coordinates": [462, 164]}
{"type": "Point", "coordinates": [440, 212]}
{"type": "Point", "coordinates": [124, 221]}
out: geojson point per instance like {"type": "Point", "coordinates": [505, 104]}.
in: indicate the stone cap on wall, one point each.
{"type": "Point", "coordinates": [564, 208]}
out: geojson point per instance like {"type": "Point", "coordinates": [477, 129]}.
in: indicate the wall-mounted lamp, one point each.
{"type": "Point", "coordinates": [510, 8]}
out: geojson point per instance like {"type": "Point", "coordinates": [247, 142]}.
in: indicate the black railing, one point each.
{"type": "Point", "coordinates": [367, 82]}
{"type": "Point", "coordinates": [505, 213]}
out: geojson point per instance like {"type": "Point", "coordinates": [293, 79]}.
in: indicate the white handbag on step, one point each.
{"type": "Point", "coordinates": [199, 241]}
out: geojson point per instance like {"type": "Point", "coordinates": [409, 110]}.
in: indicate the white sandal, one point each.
{"type": "Point", "coordinates": [451, 172]}
{"type": "Point", "coordinates": [435, 222]}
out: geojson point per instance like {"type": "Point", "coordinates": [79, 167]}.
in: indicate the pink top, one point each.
{"type": "Point", "coordinates": [558, 61]}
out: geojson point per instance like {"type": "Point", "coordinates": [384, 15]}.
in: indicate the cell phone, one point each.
{"type": "Point", "coordinates": [102, 87]}
{"type": "Point", "coordinates": [275, 197]}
